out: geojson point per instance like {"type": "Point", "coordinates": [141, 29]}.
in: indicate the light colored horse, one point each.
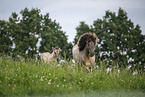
{"type": "Point", "coordinates": [83, 51]}
{"type": "Point", "coordinates": [54, 56]}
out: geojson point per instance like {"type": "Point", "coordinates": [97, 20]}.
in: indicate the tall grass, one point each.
{"type": "Point", "coordinates": [32, 78]}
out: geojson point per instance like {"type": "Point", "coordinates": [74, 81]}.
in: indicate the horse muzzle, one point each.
{"type": "Point", "coordinates": [92, 54]}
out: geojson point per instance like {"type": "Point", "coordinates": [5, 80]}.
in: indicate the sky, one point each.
{"type": "Point", "coordinates": [69, 13]}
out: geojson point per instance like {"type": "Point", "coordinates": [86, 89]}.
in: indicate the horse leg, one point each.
{"type": "Point", "coordinates": [87, 68]}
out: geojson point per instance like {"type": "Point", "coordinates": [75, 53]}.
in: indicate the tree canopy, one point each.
{"type": "Point", "coordinates": [25, 31]}
{"type": "Point", "coordinates": [118, 39]}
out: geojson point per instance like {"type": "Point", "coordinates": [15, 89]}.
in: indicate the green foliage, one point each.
{"type": "Point", "coordinates": [81, 29]}
{"type": "Point", "coordinates": [52, 36]}
{"type": "Point", "coordinates": [5, 41]}
{"type": "Point", "coordinates": [26, 31]}
{"type": "Point", "coordinates": [27, 77]}
{"type": "Point", "coordinates": [118, 39]}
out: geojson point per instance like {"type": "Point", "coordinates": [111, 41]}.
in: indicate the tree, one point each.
{"type": "Point", "coordinates": [5, 40]}
{"type": "Point", "coordinates": [25, 32]}
{"type": "Point", "coordinates": [118, 39]}
{"type": "Point", "coordinates": [52, 36]}
{"type": "Point", "coordinates": [81, 29]}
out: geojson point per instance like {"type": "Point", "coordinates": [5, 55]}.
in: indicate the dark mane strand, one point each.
{"type": "Point", "coordinates": [85, 37]}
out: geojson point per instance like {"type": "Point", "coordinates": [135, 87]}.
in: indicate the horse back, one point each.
{"type": "Point", "coordinates": [45, 56]}
{"type": "Point", "coordinates": [75, 51]}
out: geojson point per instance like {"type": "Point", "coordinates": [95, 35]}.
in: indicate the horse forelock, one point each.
{"type": "Point", "coordinates": [86, 37]}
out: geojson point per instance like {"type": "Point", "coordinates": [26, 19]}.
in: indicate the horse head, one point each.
{"type": "Point", "coordinates": [90, 46]}
{"type": "Point", "coordinates": [56, 52]}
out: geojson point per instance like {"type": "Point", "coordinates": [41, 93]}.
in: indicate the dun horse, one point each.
{"type": "Point", "coordinates": [54, 56]}
{"type": "Point", "coordinates": [83, 51]}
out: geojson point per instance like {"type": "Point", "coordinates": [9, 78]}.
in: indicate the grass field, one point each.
{"type": "Point", "coordinates": [31, 78]}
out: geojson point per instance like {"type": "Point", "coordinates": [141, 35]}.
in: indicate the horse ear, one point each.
{"type": "Point", "coordinates": [53, 48]}
{"type": "Point", "coordinates": [94, 34]}
{"type": "Point", "coordinates": [96, 40]}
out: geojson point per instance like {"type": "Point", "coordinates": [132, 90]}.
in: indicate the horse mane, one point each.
{"type": "Point", "coordinates": [86, 37]}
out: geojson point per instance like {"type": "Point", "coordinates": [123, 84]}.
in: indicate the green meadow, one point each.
{"type": "Point", "coordinates": [27, 77]}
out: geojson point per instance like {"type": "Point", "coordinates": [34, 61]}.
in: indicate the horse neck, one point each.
{"type": "Point", "coordinates": [52, 54]}
{"type": "Point", "coordinates": [85, 53]}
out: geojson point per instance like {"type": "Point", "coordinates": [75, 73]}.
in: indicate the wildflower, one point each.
{"type": "Point", "coordinates": [50, 80]}
{"type": "Point", "coordinates": [108, 69]}
{"type": "Point", "coordinates": [64, 80]}
{"type": "Point", "coordinates": [13, 88]}
{"type": "Point", "coordinates": [45, 78]}
{"type": "Point", "coordinates": [129, 66]}
{"type": "Point", "coordinates": [122, 80]}
{"type": "Point", "coordinates": [49, 73]}
{"type": "Point", "coordinates": [135, 72]}
{"type": "Point", "coordinates": [41, 79]}
{"type": "Point", "coordinates": [73, 61]}
{"type": "Point", "coordinates": [58, 64]}
{"type": "Point", "coordinates": [49, 83]}
{"type": "Point", "coordinates": [14, 85]}
{"type": "Point", "coordinates": [32, 80]}
{"type": "Point", "coordinates": [57, 85]}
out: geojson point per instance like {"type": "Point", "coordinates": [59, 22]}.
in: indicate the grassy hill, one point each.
{"type": "Point", "coordinates": [32, 78]}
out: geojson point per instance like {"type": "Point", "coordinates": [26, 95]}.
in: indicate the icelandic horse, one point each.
{"type": "Point", "coordinates": [83, 51]}
{"type": "Point", "coordinates": [54, 56]}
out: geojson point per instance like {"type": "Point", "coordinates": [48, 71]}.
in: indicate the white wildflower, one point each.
{"type": "Point", "coordinates": [41, 79]}
{"type": "Point", "coordinates": [49, 83]}
{"type": "Point", "coordinates": [129, 66]}
{"type": "Point", "coordinates": [73, 61]}
{"type": "Point", "coordinates": [135, 72]}
{"type": "Point", "coordinates": [108, 69]}
{"type": "Point", "coordinates": [36, 76]}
